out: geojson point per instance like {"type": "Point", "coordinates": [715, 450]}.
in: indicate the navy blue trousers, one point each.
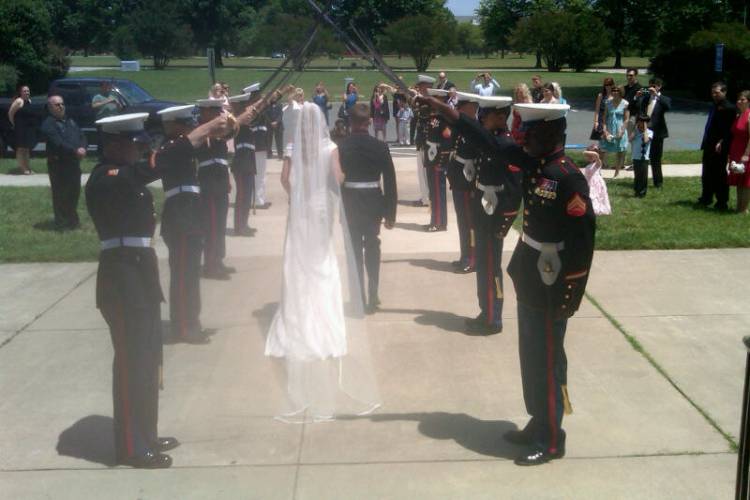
{"type": "Point", "coordinates": [462, 203]}
{"type": "Point", "coordinates": [438, 205]}
{"type": "Point", "coordinates": [543, 374]}
{"type": "Point", "coordinates": [489, 251]}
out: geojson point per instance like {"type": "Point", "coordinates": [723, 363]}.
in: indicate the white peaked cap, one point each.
{"type": "Point", "coordinates": [437, 92]}
{"type": "Point", "coordinates": [177, 113]}
{"type": "Point", "coordinates": [467, 97]}
{"type": "Point", "coordinates": [240, 98]}
{"type": "Point", "coordinates": [541, 112]}
{"type": "Point", "coordinates": [252, 88]}
{"type": "Point", "coordinates": [425, 79]}
{"type": "Point", "coordinates": [209, 103]}
{"type": "Point", "coordinates": [489, 102]}
{"type": "Point", "coordinates": [132, 122]}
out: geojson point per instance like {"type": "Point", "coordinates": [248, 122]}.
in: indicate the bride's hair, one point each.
{"type": "Point", "coordinates": [313, 132]}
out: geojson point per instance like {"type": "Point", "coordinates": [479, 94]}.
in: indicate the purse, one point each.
{"type": "Point", "coordinates": [596, 134]}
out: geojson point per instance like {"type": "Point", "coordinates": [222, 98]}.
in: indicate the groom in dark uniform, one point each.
{"type": "Point", "coordinates": [364, 161]}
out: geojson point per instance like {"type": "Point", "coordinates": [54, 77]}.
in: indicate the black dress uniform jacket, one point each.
{"type": "Point", "coordinates": [244, 156]}
{"type": "Point", "coordinates": [213, 176]}
{"type": "Point", "coordinates": [463, 150]}
{"type": "Point", "coordinates": [175, 162]}
{"type": "Point", "coordinates": [438, 133]}
{"type": "Point", "coordinates": [365, 159]}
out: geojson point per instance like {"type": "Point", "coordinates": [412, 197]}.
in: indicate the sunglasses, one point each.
{"type": "Point", "coordinates": [58, 104]}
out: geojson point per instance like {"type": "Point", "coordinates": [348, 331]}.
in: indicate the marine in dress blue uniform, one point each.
{"type": "Point", "coordinates": [496, 198]}
{"type": "Point", "coordinates": [438, 146]}
{"type": "Point", "coordinates": [422, 116]}
{"type": "Point", "coordinates": [243, 169]}
{"type": "Point", "coordinates": [460, 174]}
{"type": "Point", "coordinates": [549, 268]}
{"type": "Point", "coordinates": [181, 226]}
{"type": "Point", "coordinates": [128, 293]}
{"type": "Point", "coordinates": [213, 176]}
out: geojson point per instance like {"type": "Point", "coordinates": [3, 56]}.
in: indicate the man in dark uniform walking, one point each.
{"type": "Point", "coordinates": [461, 173]}
{"type": "Point", "coordinates": [715, 145]}
{"type": "Point", "coordinates": [181, 226]}
{"type": "Point", "coordinates": [213, 176]}
{"type": "Point", "coordinates": [66, 147]}
{"type": "Point", "coordinates": [127, 287]}
{"type": "Point", "coordinates": [364, 160]}
{"type": "Point", "coordinates": [438, 146]}
{"type": "Point", "coordinates": [243, 169]}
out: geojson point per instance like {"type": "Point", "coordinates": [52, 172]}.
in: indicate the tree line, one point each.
{"type": "Point", "coordinates": [36, 36]}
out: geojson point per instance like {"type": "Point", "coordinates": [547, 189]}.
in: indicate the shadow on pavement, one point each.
{"type": "Point", "coordinates": [410, 226]}
{"type": "Point", "coordinates": [431, 264]}
{"type": "Point", "coordinates": [480, 436]}
{"type": "Point", "coordinates": [264, 316]}
{"type": "Point", "coordinates": [90, 439]}
{"type": "Point", "coordinates": [441, 319]}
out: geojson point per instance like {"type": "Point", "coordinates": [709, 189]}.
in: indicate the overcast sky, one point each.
{"type": "Point", "coordinates": [462, 7]}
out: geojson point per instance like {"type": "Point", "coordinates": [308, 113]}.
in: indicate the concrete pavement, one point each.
{"type": "Point", "coordinates": [634, 433]}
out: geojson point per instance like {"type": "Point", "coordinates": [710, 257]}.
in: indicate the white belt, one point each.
{"type": "Point", "coordinates": [244, 145]}
{"type": "Point", "coordinates": [537, 245]}
{"type": "Point", "coordinates": [182, 189]}
{"type": "Point", "coordinates": [126, 241]}
{"type": "Point", "coordinates": [489, 198]}
{"type": "Point", "coordinates": [262, 127]}
{"type": "Point", "coordinates": [362, 185]}
{"type": "Point", "coordinates": [213, 161]}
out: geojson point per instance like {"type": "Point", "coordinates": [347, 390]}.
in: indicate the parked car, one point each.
{"type": "Point", "coordinates": [77, 94]}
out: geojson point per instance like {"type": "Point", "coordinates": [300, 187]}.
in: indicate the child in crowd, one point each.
{"type": "Point", "coordinates": [404, 116]}
{"type": "Point", "coordinates": [339, 131]}
{"type": "Point", "coordinates": [597, 187]}
{"type": "Point", "coordinates": [641, 148]}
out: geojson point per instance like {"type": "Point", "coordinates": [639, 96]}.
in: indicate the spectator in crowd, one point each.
{"type": "Point", "coordinates": [443, 83]}
{"type": "Point", "coordinates": [339, 131]}
{"type": "Point", "coordinates": [379, 111]}
{"type": "Point", "coordinates": [521, 94]}
{"type": "Point", "coordinates": [629, 94]}
{"type": "Point", "coordinates": [275, 114]}
{"type": "Point", "coordinates": [105, 103]}
{"type": "Point", "coordinates": [614, 136]}
{"type": "Point", "coordinates": [641, 148]}
{"type": "Point", "coordinates": [717, 135]}
{"type": "Point", "coordinates": [349, 99]}
{"type": "Point", "coordinates": [739, 152]}
{"type": "Point", "coordinates": [24, 124]}
{"type": "Point", "coordinates": [321, 99]}
{"type": "Point", "coordinates": [599, 111]}
{"type": "Point", "coordinates": [399, 98]}
{"type": "Point", "coordinates": [403, 118]}
{"type": "Point", "coordinates": [536, 88]}
{"type": "Point", "coordinates": [66, 147]}
{"type": "Point", "coordinates": [656, 105]}
{"type": "Point", "coordinates": [557, 92]}
{"type": "Point", "coordinates": [548, 94]}
{"type": "Point", "coordinates": [597, 187]}
{"type": "Point", "coordinates": [452, 98]}
{"type": "Point", "coordinates": [484, 85]}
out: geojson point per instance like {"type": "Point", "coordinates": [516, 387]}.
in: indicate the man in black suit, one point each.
{"type": "Point", "coordinates": [654, 104]}
{"type": "Point", "coordinates": [715, 146]}
{"type": "Point", "coordinates": [443, 83]}
{"type": "Point", "coordinates": [364, 161]}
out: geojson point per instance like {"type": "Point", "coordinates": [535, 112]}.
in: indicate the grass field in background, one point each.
{"type": "Point", "coordinates": [443, 62]}
{"type": "Point", "coordinates": [189, 84]}
{"type": "Point", "coordinates": [666, 219]}
{"type": "Point", "coordinates": [26, 233]}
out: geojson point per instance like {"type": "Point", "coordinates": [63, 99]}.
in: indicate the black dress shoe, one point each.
{"type": "Point", "coordinates": [479, 325]}
{"type": "Point", "coordinates": [197, 338]}
{"type": "Point", "coordinates": [539, 457]}
{"type": "Point", "coordinates": [227, 269]}
{"type": "Point", "coordinates": [419, 203]}
{"type": "Point", "coordinates": [245, 231]}
{"type": "Point", "coordinates": [520, 437]}
{"type": "Point", "coordinates": [149, 460]}
{"type": "Point", "coordinates": [372, 306]}
{"type": "Point", "coordinates": [434, 229]}
{"type": "Point", "coordinates": [465, 270]}
{"type": "Point", "coordinates": [457, 264]}
{"type": "Point", "coordinates": [215, 274]}
{"type": "Point", "coordinates": [166, 443]}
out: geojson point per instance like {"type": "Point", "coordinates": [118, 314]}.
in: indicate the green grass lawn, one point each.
{"type": "Point", "coordinates": [39, 165]}
{"type": "Point", "coordinates": [512, 60]}
{"type": "Point", "coordinates": [26, 234]}
{"type": "Point", "coordinates": [189, 84]}
{"type": "Point", "coordinates": [679, 157]}
{"type": "Point", "coordinates": [668, 219]}
{"type": "Point", "coordinates": [665, 219]}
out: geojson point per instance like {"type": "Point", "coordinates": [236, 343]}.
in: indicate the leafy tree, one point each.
{"type": "Point", "coordinates": [159, 32]}
{"type": "Point", "coordinates": [498, 18]}
{"type": "Point", "coordinates": [123, 43]}
{"type": "Point", "coordinates": [26, 41]}
{"type": "Point", "coordinates": [216, 23]}
{"type": "Point", "coordinates": [422, 37]}
{"type": "Point", "coordinates": [469, 38]}
{"type": "Point", "coordinates": [83, 24]}
{"type": "Point", "coordinates": [681, 18]}
{"type": "Point", "coordinates": [372, 16]}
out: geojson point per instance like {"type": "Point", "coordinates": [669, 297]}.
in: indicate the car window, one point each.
{"type": "Point", "coordinates": [133, 93]}
{"type": "Point", "coordinates": [70, 92]}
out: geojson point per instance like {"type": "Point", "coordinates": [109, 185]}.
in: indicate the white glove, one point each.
{"type": "Point", "coordinates": [489, 202]}
{"type": "Point", "coordinates": [549, 263]}
{"type": "Point", "coordinates": [737, 168]}
{"type": "Point", "coordinates": [431, 151]}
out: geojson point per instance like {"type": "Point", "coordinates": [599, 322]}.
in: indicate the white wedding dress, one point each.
{"type": "Point", "coordinates": [318, 331]}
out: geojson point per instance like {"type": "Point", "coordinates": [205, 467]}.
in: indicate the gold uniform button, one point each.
{"type": "Point", "coordinates": [567, 296]}
{"type": "Point", "coordinates": [564, 306]}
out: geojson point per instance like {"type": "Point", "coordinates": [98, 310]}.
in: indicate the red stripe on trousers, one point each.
{"type": "Point", "coordinates": [210, 247]}
{"type": "Point", "coordinates": [438, 213]}
{"type": "Point", "coordinates": [121, 366]}
{"type": "Point", "coordinates": [181, 286]}
{"type": "Point", "coordinates": [551, 393]}
{"type": "Point", "coordinates": [467, 217]}
{"type": "Point", "coordinates": [490, 284]}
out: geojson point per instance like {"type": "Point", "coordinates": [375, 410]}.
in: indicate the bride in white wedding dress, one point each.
{"type": "Point", "coordinates": [319, 329]}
